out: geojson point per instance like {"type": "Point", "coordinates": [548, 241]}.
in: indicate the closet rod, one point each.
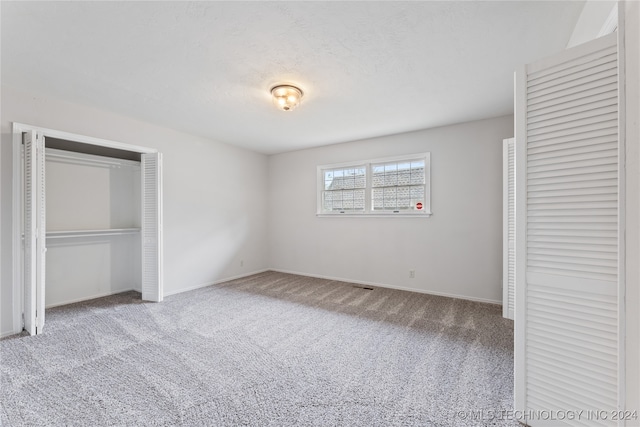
{"type": "Point", "coordinates": [91, 233]}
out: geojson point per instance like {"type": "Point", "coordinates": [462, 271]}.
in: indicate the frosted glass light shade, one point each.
{"type": "Point", "coordinates": [286, 97]}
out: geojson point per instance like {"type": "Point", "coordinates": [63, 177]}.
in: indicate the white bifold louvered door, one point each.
{"type": "Point", "coordinates": [569, 157]}
{"type": "Point", "coordinates": [152, 280]}
{"type": "Point", "coordinates": [509, 227]}
{"type": "Point", "coordinates": [34, 231]}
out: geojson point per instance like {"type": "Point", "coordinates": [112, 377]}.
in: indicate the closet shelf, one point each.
{"type": "Point", "coordinates": [91, 233]}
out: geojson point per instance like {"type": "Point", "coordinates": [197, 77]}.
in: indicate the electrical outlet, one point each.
{"type": "Point", "coordinates": [241, 263]}
{"type": "Point", "coordinates": [412, 274]}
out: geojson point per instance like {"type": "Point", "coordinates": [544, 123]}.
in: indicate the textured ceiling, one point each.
{"type": "Point", "coordinates": [367, 69]}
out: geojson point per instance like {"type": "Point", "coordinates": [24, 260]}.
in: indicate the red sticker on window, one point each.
{"type": "Point", "coordinates": [418, 205]}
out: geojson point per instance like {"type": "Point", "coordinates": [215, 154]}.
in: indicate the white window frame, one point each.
{"type": "Point", "coordinates": [368, 210]}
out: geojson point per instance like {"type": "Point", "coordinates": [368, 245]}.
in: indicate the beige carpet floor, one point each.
{"type": "Point", "coordinates": [271, 349]}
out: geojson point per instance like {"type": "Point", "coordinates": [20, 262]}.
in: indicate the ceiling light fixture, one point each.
{"type": "Point", "coordinates": [286, 97]}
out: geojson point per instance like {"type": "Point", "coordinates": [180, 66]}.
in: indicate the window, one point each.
{"type": "Point", "coordinates": [344, 189]}
{"type": "Point", "coordinates": [390, 186]}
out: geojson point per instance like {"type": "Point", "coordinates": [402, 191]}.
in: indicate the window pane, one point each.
{"type": "Point", "coordinates": [404, 178]}
{"type": "Point", "coordinates": [349, 182]}
{"type": "Point", "coordinates": [328, 179]}
{"type": "Point", "coordinates": [404, 197]}
{"type": "Point", "coordinates": [360, 179]}
{"type": "Point", "coordinates": [389, 198]}
{"type": "Point", "coordinates": [404, 203]}
{"type": "Point", "coordinates": [404, 192]}
{"type": "Point", "coordinates": [378, 198]}
{"type": "Point", "coordinates": [417, 176]}
{"type": "Point", "coordinates": [358, 199]}
{"type": "Point", "coordinates": [338, 181]}
{"type": "Point", "coordinates": [347, 199]}
{"type": "Point", "coordinates": [417, 172]}
{"type": "Point", "coordinates": [390, 179]}
{"type": "Point", "coordinates": [417, 193]}
{"type": "Point", "coordinates": [394, 185]}
{"type": "Point", "coordinates": [390, 168]}
{"type": "Point", "coordinates": [326, 201]}
{"type": "Point", "coordinates": [404, 167]}
{"type": "Point", "coordinates": [337, 200]}
{"type": "Point", "coordinates": [377, 178]}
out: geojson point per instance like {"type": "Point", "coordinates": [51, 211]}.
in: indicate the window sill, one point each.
{"type": "Point", "coordinates": [375, 215]}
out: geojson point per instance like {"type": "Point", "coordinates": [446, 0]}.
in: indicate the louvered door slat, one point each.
{"type": "Point", "coordinates": [570, 328]}
{"type": "Point", "coordinates": [41, 230]}
{"type": "Point", "coordinates": [556, 127]}
{"type": "Point", "coordinates": [599, 146]}
{"type": "Point", "coordinates": [573, 140]}
{"type": "Point", "coordinates": [568, 111]}
{"type": "Point", "coordinates": [587, 364]}
{"type": "Point", "coordinates": [580, 187]}
{"type": "Point", "coordinates": [574, 376]}
{"type": "Point", "coordinates": [587, 159]}
{"type": "Point", "coordinates": [573, 84]}
{"type": "Point", "coordinates": [509, 231]}
{"type": "Point", "coordinates": [602, 63]}
{"type": "Point", "coordinates": [603, 67]}
{"type": "Point", "coordinates": [569, 251]}
{"type": "Point", "coordinates": [30, 232]}
{"type": "Point", "coordinates": [592, 194]}
{"type": "Point", "coordinates": [34, 232]}
{"type": "Point", "coordinates": [580, 126]}
{"type": "Point", "coordinates": [560, 120]}
{"type": "Point", "coordinates": [541, 70]}
{"type": "Point", "coordinates": [572, 91]}
{"type": "Point", "coordinates": [570, 170]}
{"type": "Point", "coordinates": [549, 103]}
{"type": "Point", "coordinates": [151, 233]}
{"type": "Point", "coordinates": [568, 122]}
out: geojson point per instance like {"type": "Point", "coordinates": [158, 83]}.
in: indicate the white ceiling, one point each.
{"type": "Point", "coordinates": [367, 68]}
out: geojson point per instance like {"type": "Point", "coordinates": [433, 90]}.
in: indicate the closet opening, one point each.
{"type": "Point", "coordinates": [92, 206]}
{"type": "Point", "coordinates": [87, 221]}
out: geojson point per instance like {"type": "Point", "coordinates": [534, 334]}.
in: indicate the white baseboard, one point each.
{"type": "Point", "coordinates": [204, 285]}
{"type": "Point", "coordinates": [240, 276]}
{"type": "Point", "coordinates": [88, 298]}
{"type": "Point", "coordinates": [384, 285]}
{"type": "Point", "coordinates": [8, 333]}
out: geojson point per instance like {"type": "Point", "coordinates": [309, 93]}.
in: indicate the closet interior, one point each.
{"type": "Point", "coordinates": [93, 221]}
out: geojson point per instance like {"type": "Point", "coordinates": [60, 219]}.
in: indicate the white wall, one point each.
{"type": "Point", "coordinates": [82, 268]}
{"type": "Point", "coordinates": [86, 195]}
{"type": "Point", "coordinates": [214, 194]}
{"type": "Point", "coordinates": [457, 251]}
{"type": "Point", "coordinates": [593, 17]}
{"type": "Point", "coordinates": [89, 196]}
